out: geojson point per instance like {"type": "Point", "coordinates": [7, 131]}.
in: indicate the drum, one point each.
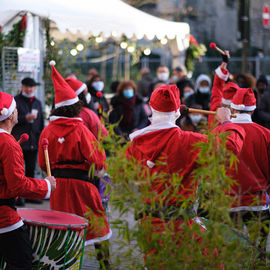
{"type": "Point", "coordinates": [57, 238]}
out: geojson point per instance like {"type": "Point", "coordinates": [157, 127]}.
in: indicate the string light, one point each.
{"type": "Point", "coordinates": [123, 45]}
{"type": "Point", "coordinates": [73, 52]}
{"type": "Point", "coordinates": [80, 47]}
{"type": "Point", "coordinates": [131, 49]}
{"type": "Point", "coordinates": [164, 41]}
{"type": "Point", "coordinates": [99, 39]}
{"type": "Point", "coordinates": [147, 51]}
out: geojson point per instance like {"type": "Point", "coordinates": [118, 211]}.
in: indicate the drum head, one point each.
{"type": "Point", "coordinates": [52, 219]}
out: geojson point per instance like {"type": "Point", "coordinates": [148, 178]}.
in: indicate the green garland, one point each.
{"type": "Point", "coordinates": [194, 51]}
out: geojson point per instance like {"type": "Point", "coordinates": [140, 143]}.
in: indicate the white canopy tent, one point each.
{"type": "Point", "coordinates": [106, 17]}
{"type": "Point", "coordinates": [75, 19]}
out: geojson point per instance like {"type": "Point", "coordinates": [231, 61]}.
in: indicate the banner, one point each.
{"type": "Point", "coordinates": [28, 60]}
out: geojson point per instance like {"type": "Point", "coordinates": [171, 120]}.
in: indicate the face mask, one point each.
{"type": "Point", "coordinates": [98, 86]}
{"type": "Point", "coordinates": [28, 96]}
{"type": "Point", "coordinates": [187, 94]}
{"type": "Point", "coordinates": [175, 78]}
{"type": "Point", "coordinates": [129, 93]}
{"type": "Point", "coordinates": [195, 118]}
{"type": "Point", "coordinates": [163, 76]}
{"type": "Point", "coordinates": [204, 90]}
{"type": "Point", "coordinates": [88, 98]}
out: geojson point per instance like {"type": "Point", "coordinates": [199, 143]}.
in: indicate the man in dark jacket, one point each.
{"type": "Point", "coordinates": [30, 121]}
{"type": "Point", "coordinates": [144, 84]}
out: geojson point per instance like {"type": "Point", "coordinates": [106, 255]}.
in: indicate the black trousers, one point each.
{"type": "Point", "coordinates": [30, 160]}
{"type": "Point", "coordinates": [249, 218]}
{"type": "Point", "coordinates": [15, 248]}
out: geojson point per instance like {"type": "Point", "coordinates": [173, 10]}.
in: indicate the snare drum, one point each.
{"type": "Point", "coordinates": [57, 238]}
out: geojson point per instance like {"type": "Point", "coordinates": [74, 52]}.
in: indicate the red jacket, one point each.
{"type": "Point", "coordinates": [216, 96]}
{"type": "Point", "coordinates": [168, 143]}
{"type": "Point", "coordinates": [92, 122]}
{"type": "Point", "coordinates": [13, 182]}
{"type": "Point", "coordinates": [253, 173]}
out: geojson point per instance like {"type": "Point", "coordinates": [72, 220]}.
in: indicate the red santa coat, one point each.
{"type": "Point", "coordinates": [168, 143]}
{"type": "Point", "coordinates": [14, 183]}
{"type": "Point", "coordinates": [216, 97]}
{"type": "Point", "coordinates": [92, 122]}
{"type": "Point", "coordinates": [253, 173]}
{"type": "Point", "coordinates": [71, 142]}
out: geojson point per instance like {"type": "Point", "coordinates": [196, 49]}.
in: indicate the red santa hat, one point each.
{"type": "Point", "coordinates": [229, 91]}
{"type": "Point", "coordinates": [76, 85]}
{"type": "Point", "coordinates": [165, 98]}
{"type": "Point", "coordinates": [7, 105]}
{"type": "Point", "coordinates": [64, 94]}
{"type": "Point", "coordinates": [244, 100]}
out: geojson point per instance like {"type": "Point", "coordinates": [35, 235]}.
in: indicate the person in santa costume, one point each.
{"type": "Point", "coordinates": [73, 151]}
{"type": "Point", "coordinates": [89, 117]}
{"type": "Point", "coordinates": [15, 246]}
{"type": "Point", "coordinates": [163, 148]}
{"type": "Point", "coordinates": [253, 170]}
{"type": "Point", "coordinates": [222, 94]}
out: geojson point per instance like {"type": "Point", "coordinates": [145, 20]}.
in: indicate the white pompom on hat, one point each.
{"type": "Point", "coordinates": [7, 105]}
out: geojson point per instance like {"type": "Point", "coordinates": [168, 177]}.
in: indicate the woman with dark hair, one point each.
{"type": "Point", "coordinates": [74, 151]}
{"type": "Point", "coordinates": [96, 89]}
{"type": "Point", "coordinates": [128, 109]}
{"type": "Point", "coordinates": [89, 117]}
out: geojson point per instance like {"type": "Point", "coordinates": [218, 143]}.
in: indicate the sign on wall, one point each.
{"type": "Point", "coordinates": [28, 60]}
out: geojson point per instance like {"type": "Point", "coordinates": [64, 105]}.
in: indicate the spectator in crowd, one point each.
{"type": "Point", "coordinates": [30, 121]}
{"type": "Point", "coordinates": [157, 84]}
{"type": "Point", "coordinates": [245, 80]}
{"type": "Point", "coordinates": [89, 117]}
{"type": "Point", "coordinates": [72, 75]}
{"type": "Point", "coordinates": [187, 92]}
{"type": "Point", "coordinates": [95, 86]}
{"type": "Point", "coordinates": [163, 74]}
{"type": "Point", "coordinates": [114, 86]}
{"type": "Point", "coordinates": [92, 72]}
{"type": "Point", "coordinates": [145, 82]}
{"type": "Point", "coordinates": [202, 91]}
{"type": "Point", "coordinates": [195, 122]}
{"type": "Point", "coordinates": [178, 74]}
{"type": "Point", "coordinates": [128, 109]}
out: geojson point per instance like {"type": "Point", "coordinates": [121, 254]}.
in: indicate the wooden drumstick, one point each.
{"type": "Point", "coordinates": [24, 138]}
{"type": "Point", "coordinates": [214, 46]}
{"type": "Point", "coordinates": [184, 108]}
{"type": "Point", "coordinates": [44, 144]}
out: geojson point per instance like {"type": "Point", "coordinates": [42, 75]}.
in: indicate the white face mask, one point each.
{"type": "Point", "coordinates": [187, 94]}
{"type": "Point", "coordinates": [99, 86]}
{"type": "Point", "coordinates": [163, 76]}
{"type": "Point", "coordinates": [195, 118]}
{"type": "Point", "coordinates": [88, 98]}
{"type": "Point", "coordinates": [28, 96]}
{"type": "Point", "coordinates": [204, 90]}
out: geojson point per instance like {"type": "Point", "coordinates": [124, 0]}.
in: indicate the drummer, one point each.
{"type": "Point", "coordinates": [13, 184]}
{"type": "Point", "coordinates": [73, 151]}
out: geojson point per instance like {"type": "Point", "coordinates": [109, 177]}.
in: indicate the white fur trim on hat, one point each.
{"type": "Point", "coordinates": [6, 112]}
{"type": "Point", "coordinates": [66, 102]}
{"type": "Point", "coordinates": [150, 164]}
{"type": "Point", "coordinates": [78, 91]}
{"type": "Point", "coordinates": [221, 75]}
{"type": "Point", "coordinates": [52, 63]}
{"type": "Point", "coordinates": [239, 107]}
{"type": "Point", "coordinates": [250, 108]}
{"type": "Point", "coordinates": [226, 101]}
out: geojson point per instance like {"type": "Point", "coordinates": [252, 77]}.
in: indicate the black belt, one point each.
{"type": "Point", "coordinates": [8, 202]}
{"type": "Point", "coordinates": [75, 174]}
{"type": "Point", "coordinates": [166, 212]}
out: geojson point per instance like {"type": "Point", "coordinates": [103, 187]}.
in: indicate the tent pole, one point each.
{"type": "Point", "coordinates": [127, 64]}
{"type": "Point", "coordinates": [115, 62]}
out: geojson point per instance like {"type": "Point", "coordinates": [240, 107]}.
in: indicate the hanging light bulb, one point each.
{"type": "Point", "coordinates": [147, 51]}
{"type": "Point", "coordinates": [80, 47]}
{"type": "Point", "coordinates": [99, 39]}
{"type": "Point", "coordinates": [123, 45]}
{"type": "Point", "coordinates": [52, 43]}
{"type": "Point", "coordinates": [164, 41]}
{"type": "Point", "coordinates": [131, 49]}
{"type": "Point", "coordinates": [73, 52]}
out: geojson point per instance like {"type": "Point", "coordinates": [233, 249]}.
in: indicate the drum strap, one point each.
{"type": "Point", "coordinates": [8, 202]}
{"type": "Point", "coordinates": [74, 174]}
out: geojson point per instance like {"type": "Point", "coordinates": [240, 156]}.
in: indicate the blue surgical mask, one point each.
{"type": "Point", "coordinates": [99, 86]}
{"type": "Point", "coordinates": [187, 94]}
{"type": "Point", "coordinates": [28, 96]}
{"type": "Point", "coordinates": [195, 118]}
{"type": "Point", "coordinates": [204, 90]}
{"type": "Point", "coordinates": [129, 93]}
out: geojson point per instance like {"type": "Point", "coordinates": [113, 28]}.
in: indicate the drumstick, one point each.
{"type": "Point", "coordinates": [214, 46]}
{"type": "Point", "coordinates": [44, 144]}
{"type": "Point", "coordinates": [24, 138]}
{"type": "Point", "coordinates": [184, 108]}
